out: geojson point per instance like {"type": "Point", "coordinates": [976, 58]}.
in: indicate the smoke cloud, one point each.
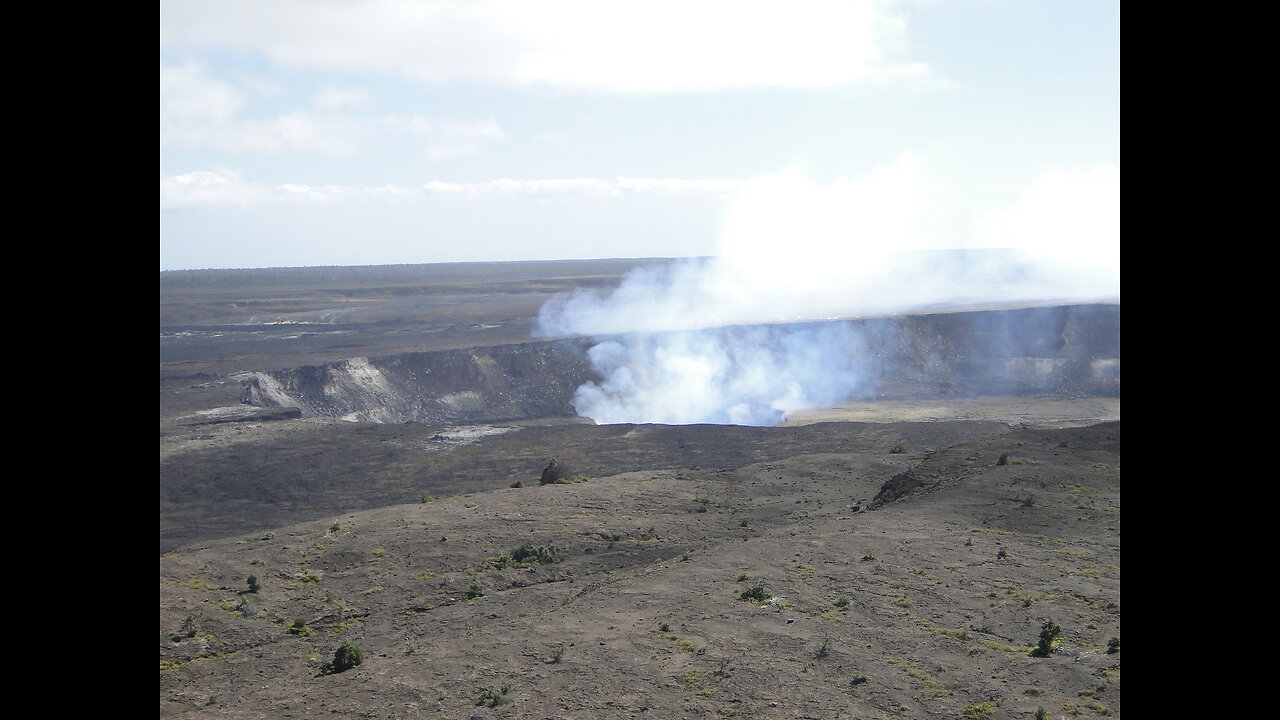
{"type": "Point", "coordinates": [732, 338]}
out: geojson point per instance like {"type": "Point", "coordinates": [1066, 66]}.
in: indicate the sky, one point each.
{"type": "Point", "coordinates": [368, 132]}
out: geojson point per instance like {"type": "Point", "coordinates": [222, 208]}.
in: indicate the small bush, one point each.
{"type": "Point", "coordinates": [554, 474]}
{"type": "Point", "coordinates": [898, 449]}
{"type": "Point", "coordinates": [346, 657]}
{"type": "Point", "coordinates": [758, 593]}
{"type": "Point", "coordinates": [1049, 633]}
{"type": "Point", "coordinates": [492, 697]}
{"type": "Point", "coordinates": [475, 591]}
{"type": "Point", "coordinates": [979, 711]}
{"type": "Point", "coordinates": [1004, 459]}
{"type": "Point", "coordinates": [254, 585]}
{"type": "Point", "coordinates": [528, 555]}
{"type": "Point", "coordinates": [299, 628]}
{"type": "Point", "coordinates": [1113, 645]}
{"type": "Point", "coordinates": [842, 603]}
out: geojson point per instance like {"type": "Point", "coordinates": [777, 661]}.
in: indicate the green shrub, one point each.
{"type": "Point", "coordinates": [475, 591]}
{"type": "Point", "coordinates": [1049, 633]}
{"type": "Point", "coordinates": [898, 449]}
{"type": "Point", "coordinates": [346, 657]}
{"type": "Point", "coordinates": [254, 585]}
{"type": "Point", "coordinates": [299, 628]}
{"type": "Point", "coordinates": [1004, 459]}
{"type": "Point", "coordinates": [1113, 645]}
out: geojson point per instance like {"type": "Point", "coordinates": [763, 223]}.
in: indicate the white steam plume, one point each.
{"type": "Point", "coordinates": [700, 340]}
{"type": "Point", "coordinates": [742, 375]}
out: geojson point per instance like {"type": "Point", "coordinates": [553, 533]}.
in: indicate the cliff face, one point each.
{"type": "Point", "coordinates": [507, 382]}
{"type": "Point", "coordinates": [1064, 351]}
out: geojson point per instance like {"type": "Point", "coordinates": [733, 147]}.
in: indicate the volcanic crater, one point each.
{"type": "Point", "coordinates": [368, 444]}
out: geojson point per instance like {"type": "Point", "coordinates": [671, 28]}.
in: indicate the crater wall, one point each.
{"type": "Point", "coordinates": [1059, 351]}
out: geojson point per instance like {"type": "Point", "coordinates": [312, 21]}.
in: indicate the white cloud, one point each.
{"type": "Point", "coordinates": [331, 99]}
{"type": "Point", "coordinates": [206, 188]}
{"type": "Point", "coordinates": [200, 111]}
{"type": "Point", "coordinates": [189, 97]}
{"type": "Point", "coordinates": [660, 45]}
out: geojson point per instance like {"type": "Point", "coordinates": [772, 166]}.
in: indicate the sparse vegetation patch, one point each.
{"type": "Point", "coordinates": [979, 711]}
{"type": "Point", "coordinates": [493, 696]}
{"type": "Point", "coordinates": [528, 555]}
